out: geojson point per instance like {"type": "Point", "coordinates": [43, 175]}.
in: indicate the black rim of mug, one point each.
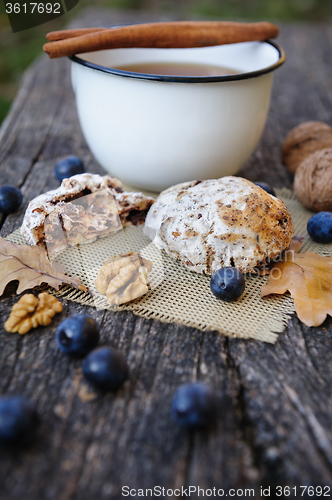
{"type": "Point", "coordinates": [187, 79]}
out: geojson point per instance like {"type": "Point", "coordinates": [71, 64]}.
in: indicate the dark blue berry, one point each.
{"type": "Point", "coordinates": [266, 187]}
{"type": "Point", "coordinates": [227, 283]}
{"type": "Point", "coordinates": [77, 335]}
{"type": "Point", "coordinates": [194, 405]}
{"type": "Point", "coordinates": [72, 165]}
{"type": "Point", "coordinates": [18, 421]}
{"type": "Point", "coordinates": [105, 368]}
{"type": "Point", "coordinates": [10, 199]}
{"type": "Point", "coordinates": [320, 227]}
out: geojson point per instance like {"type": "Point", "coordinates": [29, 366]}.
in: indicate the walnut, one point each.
{"type": "Point", "coordinates": [304, 140]}
{"type": "Point", "coordinates": [47, 307]}
{"type": "Point", "coordinates": [20, 316]}
{"type": "Point", "coordinates": [30, 311]}
{"type": "Point", "coordinates": [313, 181]}
{"type": "Point", "coordinates": [123, 278]}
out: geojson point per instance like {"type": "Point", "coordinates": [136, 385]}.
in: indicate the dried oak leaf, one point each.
{"type": "Point", "coordinates": [30, 267]}
{"type": "Point", "coordinates": [308, 278]}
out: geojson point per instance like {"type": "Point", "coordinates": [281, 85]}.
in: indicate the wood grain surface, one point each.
{"type": "Point", "coordinates": [275, 421]}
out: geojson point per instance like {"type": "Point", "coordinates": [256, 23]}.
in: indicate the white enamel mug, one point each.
{"type": "Point", "coordinates": [154, 131]}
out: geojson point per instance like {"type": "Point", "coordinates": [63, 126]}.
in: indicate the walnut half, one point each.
{"type": "Point", "coordinates": [123, 278]}
{"type": "Point", "coordinates": [30, 311]}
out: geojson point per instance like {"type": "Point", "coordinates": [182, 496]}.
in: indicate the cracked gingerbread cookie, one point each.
{"type": "Point", "coordinates": [219, 222]}
{"type": "Point", "coordinates": [84, 207]}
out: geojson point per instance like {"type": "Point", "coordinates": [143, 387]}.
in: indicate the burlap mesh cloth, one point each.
{"type": "Point", "coordinates": [181, 296]}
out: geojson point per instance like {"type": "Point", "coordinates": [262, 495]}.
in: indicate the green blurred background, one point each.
{"type": "Point", "coordinates": [17, 50]}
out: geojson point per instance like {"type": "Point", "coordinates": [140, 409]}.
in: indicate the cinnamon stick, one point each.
{"type": "Point", "coordinates": [63, 34]}
{"type": "Point", "coordinates": [182, 34]}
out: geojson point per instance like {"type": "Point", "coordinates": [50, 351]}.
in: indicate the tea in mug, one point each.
{"type": "Point", "coordinates": [178, 69]}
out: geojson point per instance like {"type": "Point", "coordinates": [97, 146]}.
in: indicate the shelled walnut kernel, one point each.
{"type": "Point", "coordinates": [123, 278]}
{"type": "Point", "coordinates": [30, 312]}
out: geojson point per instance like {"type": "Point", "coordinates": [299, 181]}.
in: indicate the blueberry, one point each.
{"type": "Point", "coordinates": [18, 420]}
{"type": "Point", "coordinates": [10, 199]}
{"type": "Point", "coordinates": [105, 368]}
{"type": "Point", "coordinates": [320, 227]}
{"type": "Point", "coordinates": [227, 284]}
{"type": "Point", "coordinates": [77, 335]}
{"type": "Point", "coordinates": [71, 165]}
{"type": "Point", "coordinates": [266, 187]}
{"type": "Point", "coordinates": [194, 405]}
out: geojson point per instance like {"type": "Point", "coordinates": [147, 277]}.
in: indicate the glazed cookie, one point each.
{"type": "Point", "coordinates": [221, 222]}
{"type": "Point", "coordinates": [85, 203]}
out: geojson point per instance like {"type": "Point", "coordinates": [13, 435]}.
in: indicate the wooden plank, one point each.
{"type": "Point", "coordinates": [274, 426]}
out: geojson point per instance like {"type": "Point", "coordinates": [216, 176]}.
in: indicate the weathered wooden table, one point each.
{"type": "Point", "coordinates": [276, 424]}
